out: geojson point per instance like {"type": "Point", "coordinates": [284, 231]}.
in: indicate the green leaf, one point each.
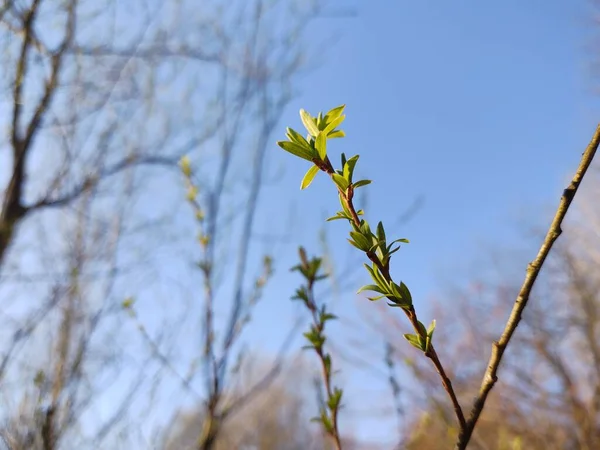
{"type": "Point", "coordinates": [378, 278]}
{"type": "Point", "coordinates": [309, 123]}
{"type": "Point", "coordinates": [422, 329]}
{"type": "Point", "coordinates": [296, 137]}
{"type": "Point", "coordinates": [334, 401]}
{"type": "Point", "coordinates": [371, 287]}
{"type": "Point", "coordinates": [301, 294]}
{"type": "Point", "coordinates": [127, 303]}
{"type": "Point", "coordinates": [320, 121]}
{"type": "Point", "coordinates": [362, 241]}
{"type": "Point", "coordinates": [333, 124]}
{"type": "Point", "coordinates": [406, 296]}
{"type": "Point", "coordinates": [430, 331]}
{"type": "Point", "coordinates": [340, 181]}
{"type": "Point", "coordinates": [336, 134]}
{"type": "Point", "coordinates": [361, 183]}
{"type": "Point", "coordinates": [308, 177]}
{"type": "Point", "coordinates": [397, 302]}
{"type": "Point", "coordinates": [339, 215]}
{"type": "Point", "coordinates": [431, 327]}
{"type": "Point", "coordinates": [349, 168]}
{"type": "Point", "coordinates": [381, 233]}
{"type": "Point", "coordinates": [321, 145]}
{"type": "Point", "coordinates": [365, 229]}
{"type": "Point", "coordinates": [391, 252]}
{"type": "Point", "coordinates": [415, 341]}
{"type": "Point", "coordinates": [297, 150]}
{"type": "Point", "coordinates": [327, 363]}
{"type": "Point", "coordinates": [328, 316]}
{"type": "Point", "coordinates": [377, 245]}
{"type": "Point", "coordinates": [326, 422]}
{"type": "Point", "coordinates": [335, 112]}
{"type": "Point", "coordinates": [186, 166]}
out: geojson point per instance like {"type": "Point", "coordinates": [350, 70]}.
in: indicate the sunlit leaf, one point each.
{"type": "Point", "coordinates": [296, 137]}
{"type": "Point", "coordinates": [308, 177]}
{"type": "Point", "coordinates": [361, 183]}
{"type": "Point", "coordinates": [333, 124]}
{"type": "Point", "coordinates": [309, 123]}
{"type": "Point", "coordinates": [340, 181]}
{"type": "Point", "coordinates": [296, 149]}
{"type": "Point", "coordinates": [415, 341]}
{"type": "Point", "coordinates": [334, 113]}
{"type": "Point", "coordinates": [371, 287]}
{"type": "Point", "coordinates": [349, 168]}
{"type": "Point", "coordinates": [336, 134]}
{"type": "Point", "coordinates": [321, 145]}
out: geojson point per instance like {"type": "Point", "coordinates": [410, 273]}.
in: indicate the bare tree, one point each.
{"type": "Point", "coordinates": [278, 419]}
{"type": "Point", "coordinates": [99, 93]}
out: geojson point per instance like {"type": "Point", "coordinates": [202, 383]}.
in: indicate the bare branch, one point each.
{"type": "Point", "coordinates": [533, 270]}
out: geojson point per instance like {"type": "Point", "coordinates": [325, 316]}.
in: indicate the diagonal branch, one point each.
{"type": "Point", "coordinates": [411, 313]}
{"type": "Point", "coordinates": [533, 270]}
{"type": "Point", "coordinates": [92, 180]}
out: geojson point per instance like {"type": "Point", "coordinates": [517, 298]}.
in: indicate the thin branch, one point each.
{"type": "Point", "coordinates": [158, 51]}
{"type": "Point", "coordinates": [92, 180]}
{"type": "Point", "coordinates": [490, 377]}
{"type": "Point", "coordinates": [266, 380]}
{"type": "Point", "coordinates": [347, 196]}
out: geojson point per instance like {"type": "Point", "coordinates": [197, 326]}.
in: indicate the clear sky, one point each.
{"type": "Point", "coordinates": [482, 109]}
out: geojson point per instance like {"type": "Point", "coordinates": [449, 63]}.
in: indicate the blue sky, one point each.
{"type": "Point", "coordinates": [481, 108]}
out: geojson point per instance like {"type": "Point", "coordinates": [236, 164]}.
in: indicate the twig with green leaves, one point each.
{"type": "Point", "coordinates": [313, 148]}
{"type": "Point", "coordinates": [309, 268]}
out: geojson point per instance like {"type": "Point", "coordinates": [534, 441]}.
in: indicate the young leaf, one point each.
{"type": "Point", "coordinates": [327, 363]}
{"type": "Point", "coordinates": [371, 287]}
{"type": "Point", "coordinates": [405, 293]}
{"type": "Point", "coordinates": [297, 150]}
{"type": "Point", "coordinates": [334, 401]}
{"type": "Point", "coordinates": [340, 181]}
{"type": "Point", "coordinates": [431, 328]}
{"type": "Point", "coordinates": [333, 124]}
{"type": "Point", "coordinates": [414, 341]}
{"type": "Point", "coordinates": [336, 134]}
{"type": "Point", "coordinates": [381, 233]}
{"type": "Point", "coordinates": [339, 215]}
{"type": "Point", "coordinates": [335, 112]}
{"type": "Point", "coordinates": [361, 241]}
{"type": "Point", "coordinates": [361, 183]}
{"type": "Point", "coordinates": [349, 168]}
{"type": "Point", "coordinates": [422, 329]}
{"type": "Point", "coordinates": [430, 331]}
{"type": "Point", "coordinates": [377, 277]}
{"type": "Point", "coordinates": [296, 137]}
{"type": "Point", "coordinates": [186, 166]}
{"type": "Point", "coordinates": [309, 123]}
{"type": "Point", "coordinates": [321, 145]}
{"type": "Point", "coordinates": [308, 177]}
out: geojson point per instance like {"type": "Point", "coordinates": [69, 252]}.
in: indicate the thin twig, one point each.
{"type": "Point", "coordinates": [533, 269]}
{"type": "Point", "coordinates": [410, 313]}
